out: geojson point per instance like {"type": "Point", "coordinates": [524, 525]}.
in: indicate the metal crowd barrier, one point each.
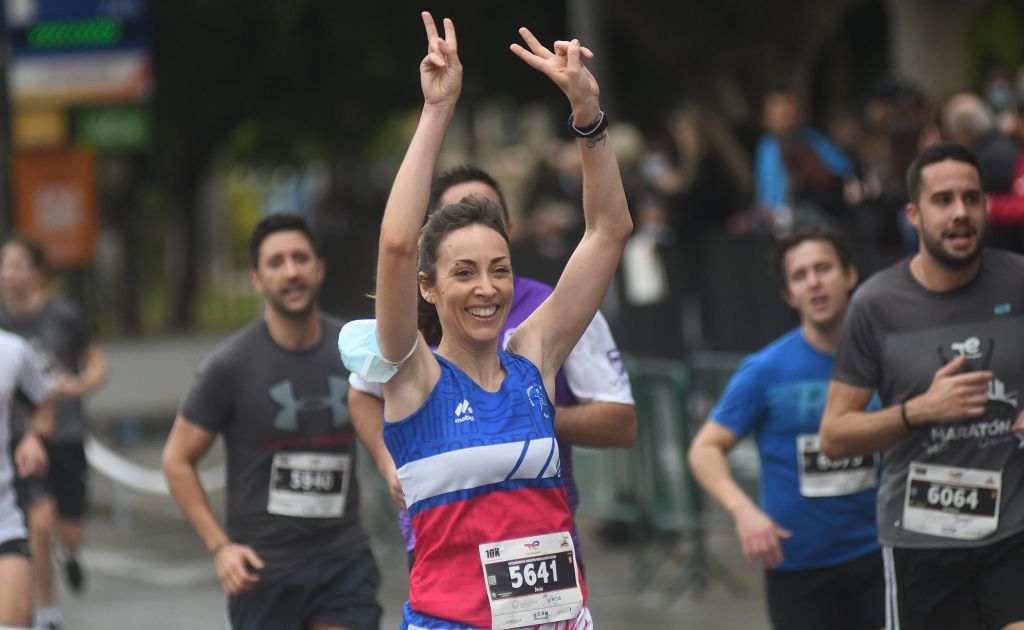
{"type": "Point", "coordinates": [650, 486]}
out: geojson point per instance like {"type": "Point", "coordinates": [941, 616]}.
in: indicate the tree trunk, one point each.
{"type": "Point", "coordinates": [123, 211]}
{"type": "Point", "coordinates": [184, 271]}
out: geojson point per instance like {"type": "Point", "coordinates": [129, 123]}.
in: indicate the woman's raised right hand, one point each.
{"type": "Point", "coordinates": [440, 70]}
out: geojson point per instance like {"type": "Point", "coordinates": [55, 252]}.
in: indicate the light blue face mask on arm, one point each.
{"type": "Point", "coordinates": [360, 352]}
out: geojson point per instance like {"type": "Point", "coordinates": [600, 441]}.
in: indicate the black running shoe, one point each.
{"type": "Point", "coordinates": [73, 573]}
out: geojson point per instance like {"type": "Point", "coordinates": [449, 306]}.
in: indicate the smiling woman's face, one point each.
{"type": "Point", "coordinates": [473, 290]}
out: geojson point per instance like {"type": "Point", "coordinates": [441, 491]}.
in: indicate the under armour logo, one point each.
{"type": "Point", "coordinates": [287, 419]}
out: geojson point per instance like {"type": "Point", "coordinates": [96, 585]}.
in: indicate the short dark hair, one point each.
{"type": "Point", "coordinates": [278, 222]}
{"type": "Point", "coordinates": [460, 175]}
{"type": "Point", "coordinates": [932, 155]}
{"type": "Point", "coordinates": [801, 235]}
{"type": "Point", "coordinates": [471, 210]}
{"type": "Point", "coordinates": [35, 251]}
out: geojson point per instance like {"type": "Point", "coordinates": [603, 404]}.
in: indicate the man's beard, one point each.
{"type": "Point", "coordinates": [293, 314]}
{"type": "Point", "coordinates": [947, 260]}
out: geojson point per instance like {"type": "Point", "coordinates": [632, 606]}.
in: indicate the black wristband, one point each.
{"type": "Point", "coordinates": [592, 130]}
{"type": "Point", "coordinates": [904, 418]}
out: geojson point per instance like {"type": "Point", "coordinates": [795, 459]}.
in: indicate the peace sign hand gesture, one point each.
{"type": "Point", "coordinates": [565, 67]}
{"type": "Point", "coordinates": [440, 70]}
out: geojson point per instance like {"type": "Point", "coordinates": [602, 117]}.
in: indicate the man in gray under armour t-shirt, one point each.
{"type": "Point", "coordinates": [941, 338]}
{"type": "Point", "coordinates": [294, 554]}
{"type": "Point", "coordinates": [289, 445]}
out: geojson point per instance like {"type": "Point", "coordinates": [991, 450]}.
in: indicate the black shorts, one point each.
{"type": "Point", "coordinates": [15, 546]}
{"type": "Point", "coordinates": [956, 588]}
{"type": "Point", "coordinates": [65, 481]}
{"type": "Point", "coordinates": [848, 596]}
{"type": "Point", "coordinates": [340, 592]}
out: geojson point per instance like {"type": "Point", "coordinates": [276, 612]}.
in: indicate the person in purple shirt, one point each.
{"type": "Point", "coordinates": [593, 399]}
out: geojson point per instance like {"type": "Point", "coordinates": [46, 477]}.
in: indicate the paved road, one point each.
{"type": "Point", "coordinates": [147, 570]}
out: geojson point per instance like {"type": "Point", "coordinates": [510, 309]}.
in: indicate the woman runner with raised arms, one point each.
{"type": "Point", "coordinates": [470, 426]}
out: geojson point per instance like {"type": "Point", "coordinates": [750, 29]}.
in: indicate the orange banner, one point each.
{"type": "Point", "coordinates": [39, 129]}
{"type": "Point", "coordinates": [56, 204]}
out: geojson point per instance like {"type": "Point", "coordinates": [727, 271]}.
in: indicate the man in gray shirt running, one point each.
{"type": "Point", "coordinates": [294, 555]}
{"type": "Point", "coordinates": [940, 336]}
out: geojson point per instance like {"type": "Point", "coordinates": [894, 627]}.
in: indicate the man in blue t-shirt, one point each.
{"type": "Point", "coordinates": [814, 530]}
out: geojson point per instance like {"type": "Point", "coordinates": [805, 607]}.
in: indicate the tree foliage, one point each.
{"type": "Point", "coordinates": [270, 82]}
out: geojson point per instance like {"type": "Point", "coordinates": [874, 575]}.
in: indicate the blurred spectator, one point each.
{"type": "Point", "coordinates": [864, 219]}
{"type": "Point", "coordinates": [902, 143]}
{"type": "Point", "coordinates": [651, 280]}
{"type": "Point", "coordinates": [704, 174]}
{"type": "Point", "coordinates": [815, 189]}
{"type": "Point", "coordinates": [969, 120]}
{"type": "Point", "coordinates": [894, 102]}
{"type": "Point", "coordinates": [630, 149]}
{"type": "Point", "coordinates": [553, 221]}
{"type": "Point", "coordinates": [999, 95]}
{"type": "Point", "coordinates": [895, 117]}
{"type": "Point", "coordinates": [701, 179]}
{"type": "Point", "coordinates": [1018, 91]}
{"type": "Point", "coordinates": [551, 231]}
{"type": "Point", "coordinates": [553, 215]}
{"type": "Point", "coordinates": [807, 151]}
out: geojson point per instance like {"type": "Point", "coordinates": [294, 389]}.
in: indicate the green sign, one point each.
{"type": "Point", "coordinates": [91, 33]}
{"type": "Point", "coordinates": [114, 128]}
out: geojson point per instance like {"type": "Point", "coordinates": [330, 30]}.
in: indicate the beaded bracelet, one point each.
{"type": "Point", "coordinates": [590, 131]}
